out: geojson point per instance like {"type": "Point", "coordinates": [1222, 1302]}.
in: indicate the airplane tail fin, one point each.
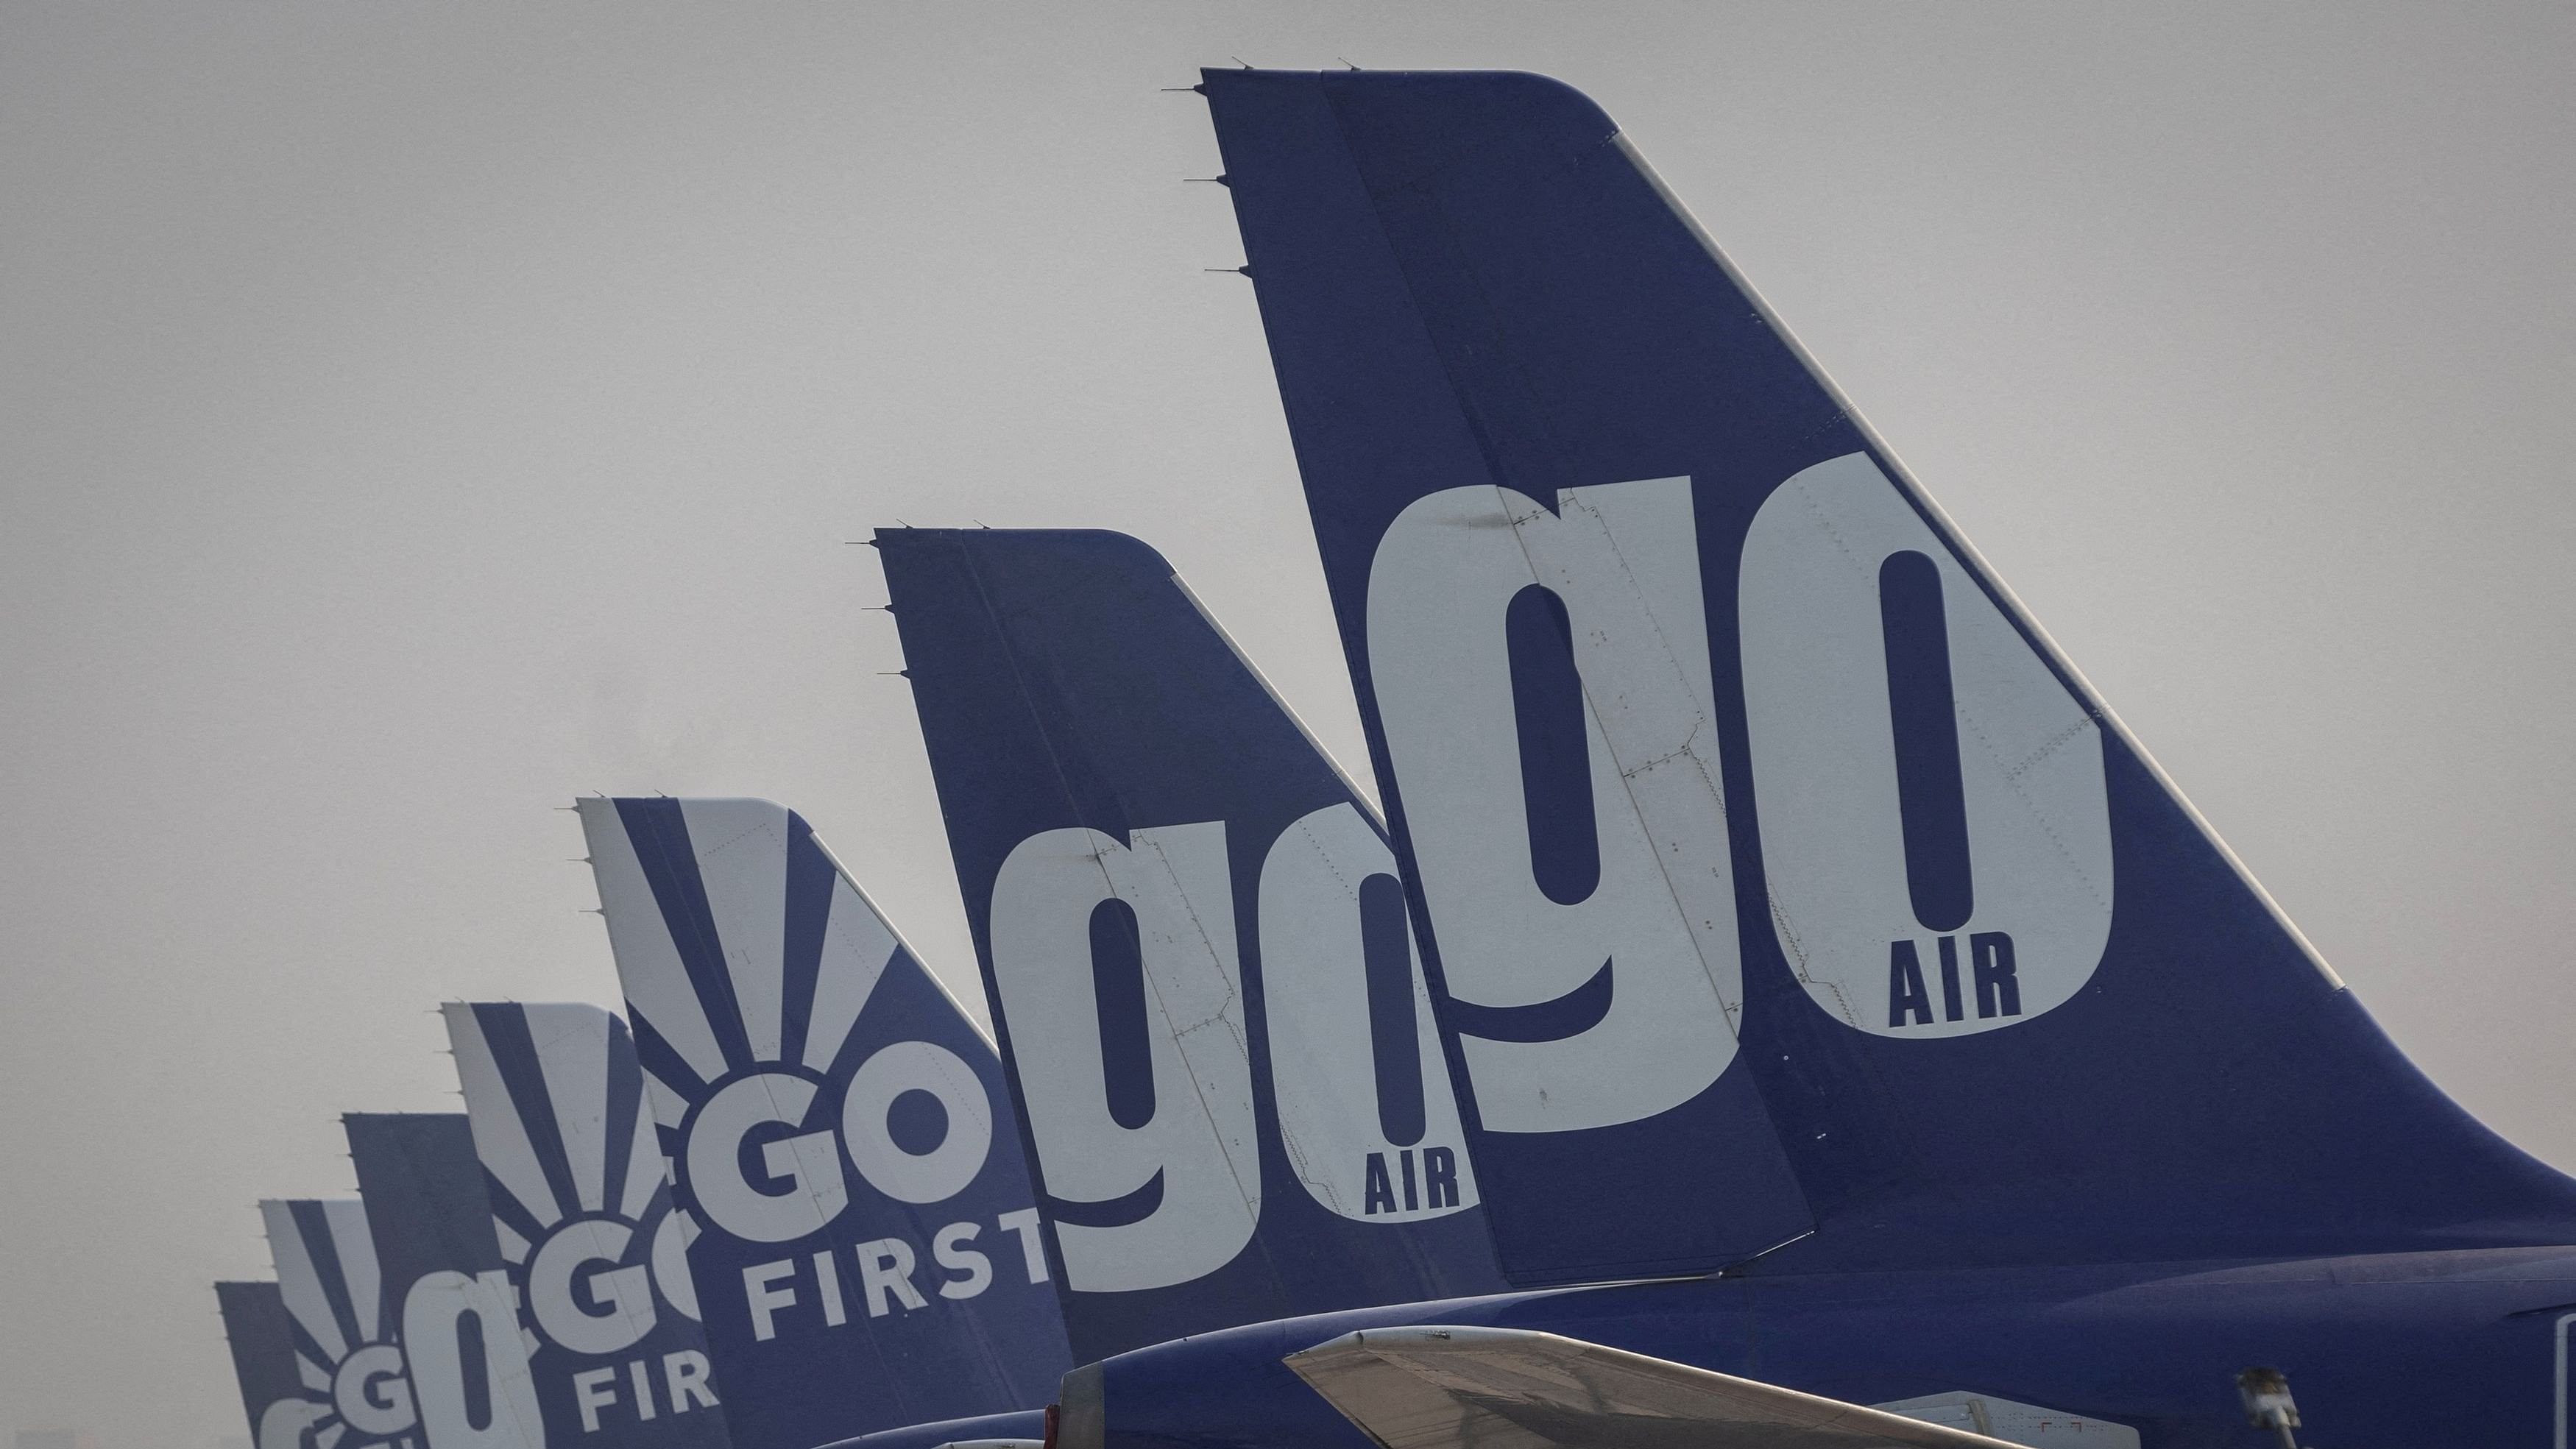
{"type": "Point", "coordinates": [1195, 945]}
{"type": "Point", "coordinates": [440, 1263]}
{"type": "Point", "coordinates": [345, 1330]}
{"type": "Point", "coordinates": [1667, 664]}
{"type": "Point", "coordinates": [262, 1339]}
{"type": "Point", "coordinates": [574, 1177]}
{"type": "Point", "coordinates": [868, 1248]}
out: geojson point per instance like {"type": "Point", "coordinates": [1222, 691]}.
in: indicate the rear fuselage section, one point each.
{"type": "Point", "coordinates": [2392, 1350]}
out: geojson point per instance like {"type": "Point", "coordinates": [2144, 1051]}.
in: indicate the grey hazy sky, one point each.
{"type": "Point", "coordinates": [413, 415]}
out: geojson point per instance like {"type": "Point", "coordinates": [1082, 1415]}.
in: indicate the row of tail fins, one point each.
{"type": "Point", "coordinates": [1756, 889]}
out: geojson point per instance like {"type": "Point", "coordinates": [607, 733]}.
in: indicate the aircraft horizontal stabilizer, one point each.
{"type": "Point", "coordinates": [1502, 1388]}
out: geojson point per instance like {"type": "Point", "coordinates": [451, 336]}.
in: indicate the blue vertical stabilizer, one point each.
{"type": "Point", "coordinates": [584, 1220]}
{"type": "Point", "coordinates": [262, 1339]}
{"type": "Point", "coordinates": [1684, 693]}
{"type": "Point", "coordinates": [346, 1332]}
{"type": "Point", "coordinates": [436, 1253]}
{"type": "Point", "coordinates": [1196, 946]}
{"type": "Point", "coordinates": [868, 1252]}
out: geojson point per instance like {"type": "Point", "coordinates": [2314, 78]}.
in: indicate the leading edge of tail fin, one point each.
{"type": "Point", "coordinates": [869, 1248]}
{"type": "Point", "coordinates": [593, 1247]}
{"type": "Point", "coordinates": [1195, 945]}
{"type": "Point", "coordinates": [1664, 660]}
{"type": "Point", "coordinates": [262, 1339]}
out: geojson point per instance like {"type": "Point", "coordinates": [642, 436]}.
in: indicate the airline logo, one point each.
{"type": "Point", "coordinates": [1936, 832]}
{"type": "Point", "coordinates": [1139, 1078]}
{"type": "Point", "coordinates": [585, 1222]}
{"type": "Point", "coordinates": [789, 1118]}
{"type": "Point", "coordinates": [347, 1336]}
{"type": "Point", "coordinates": [831, 1123]}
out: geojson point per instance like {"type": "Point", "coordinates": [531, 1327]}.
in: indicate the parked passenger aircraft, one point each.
{"type": "Point", "coordinates": [1803, 931]}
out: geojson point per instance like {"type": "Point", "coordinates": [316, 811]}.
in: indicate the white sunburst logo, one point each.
{"type": "Point", "coordinates": [782, 1028]}
{"type": "Point", "coordinates": [582, 1207]}
{"type": "Point", "coordinates": [347, 1335]}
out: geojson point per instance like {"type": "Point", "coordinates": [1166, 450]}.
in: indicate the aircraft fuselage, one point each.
{"type": "Point", "coordinates": [2411, 1349]}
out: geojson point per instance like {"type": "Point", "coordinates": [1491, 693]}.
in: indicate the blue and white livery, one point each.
{"type": "Point", "coordinates": [430, 1220]}
{"type": "Point", "coordinates": [1196, 944]}
{"type": "Point", "coordinates": [868, 1248]}
{"type": "Point", "coordinates": [347, 1332]}
{"type": "Point", "coordinates": [585, 1225]}
{"type": "Point", "coordinates": [1676, 679]}
{"type": "Point", "coordinates": [1682, 691]}
{"type": "Point", "coordinates": [261, 1337]}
